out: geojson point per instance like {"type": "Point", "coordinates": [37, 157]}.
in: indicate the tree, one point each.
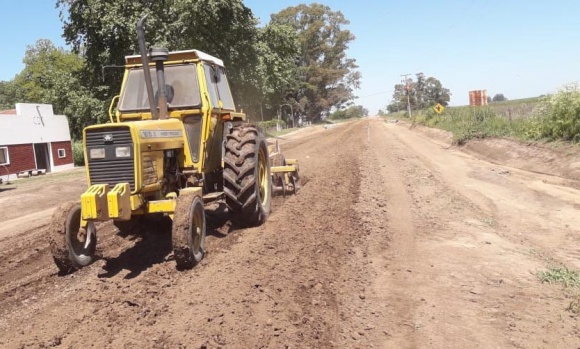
{"type": "Point", "coordinates": [52, 75]}
{"type": "Point", "coordinates": [103, 31]}
{"type": "Point", "coordinates": [354, 111]}
{"type": "Point", "coordinates": [422, 93]}
{"type": "Point", "coordinates": [399, 101]}
{"type": "Point", "coordinates": [276, 69]}
{"type": "Point", "coordinates": [327, 77]}
{"type": "Point", "coordinates": [7, 95]}
{"type": "Point", "coordinates": [499, 98]}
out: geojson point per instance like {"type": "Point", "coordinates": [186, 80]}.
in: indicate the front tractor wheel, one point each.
{"type": "Point", "coordinates": [188, 231]}
{"type": "Point", "coordinates": [72, 247]}
{"type": "Point", "coordinates": [247, 180]}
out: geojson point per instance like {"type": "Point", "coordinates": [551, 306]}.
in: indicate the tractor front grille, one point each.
{"type": "Point", "coordinates": [111, 170]}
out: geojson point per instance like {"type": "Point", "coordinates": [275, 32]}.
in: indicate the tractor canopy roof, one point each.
{"type": "Point", "coordinates": [180, 56]}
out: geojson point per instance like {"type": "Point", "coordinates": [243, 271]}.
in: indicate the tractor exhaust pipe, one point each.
{"type": "Point", "coordinates": [158, 55]}
{"type": "Point", "coordinates": [145, 62]}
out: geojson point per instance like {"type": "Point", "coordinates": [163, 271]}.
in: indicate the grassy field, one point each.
{"type": "Point", "coordinates": [551, 118]}
{"type": "Point", "coordinates": [514, 109]}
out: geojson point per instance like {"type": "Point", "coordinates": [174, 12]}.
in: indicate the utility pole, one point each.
{"type": "Point", "coordinates": [408, 88]}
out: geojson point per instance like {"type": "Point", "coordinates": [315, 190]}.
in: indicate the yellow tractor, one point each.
{"type": "Point", "coordinates": [175, 143]}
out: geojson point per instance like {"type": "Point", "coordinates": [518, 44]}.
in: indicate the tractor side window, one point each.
{"type": "Point", "coordinates": [211, 85]}
{"type": "Point", "coordinates": [224, 90]}
{"type": "Point", "coordinates": [193, 132]}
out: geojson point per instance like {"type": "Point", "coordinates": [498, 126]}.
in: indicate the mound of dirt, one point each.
{"type": "Point", "coordinates": [554, 159]}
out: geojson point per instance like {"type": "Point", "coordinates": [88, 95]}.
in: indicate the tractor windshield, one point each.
{"type": "Point", "coordinates": [182, 88]}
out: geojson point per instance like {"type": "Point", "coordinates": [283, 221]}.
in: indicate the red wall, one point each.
{"type": "Point", "coordinates": [21, 158]}
{"type": "Point", "coordinates": [68, 159]}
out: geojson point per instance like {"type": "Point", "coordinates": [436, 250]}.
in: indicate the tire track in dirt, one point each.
{"type": "Point", "coordinates": [470, 281]}
{"type": "Point", "coordinates": [385, 210]}
{"type": "Point", "coordinates": [279, 285]}
{"type": "Point", "coordinates": [382, 247]}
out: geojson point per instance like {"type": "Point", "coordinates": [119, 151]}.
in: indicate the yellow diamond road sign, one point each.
{"type": "Point", "coordinates": [438, 108]}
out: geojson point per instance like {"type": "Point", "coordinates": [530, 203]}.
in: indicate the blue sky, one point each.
{"type": "Point", "coordinates": [518, 48]}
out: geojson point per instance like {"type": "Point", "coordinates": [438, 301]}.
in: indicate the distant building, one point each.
{"type": "Point", "coordinates": [32, 138]}
{"type": "Point", "coordinates": [477, 98]}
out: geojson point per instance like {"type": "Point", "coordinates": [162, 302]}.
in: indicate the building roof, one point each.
{"type": "Point", "coordinates": [8, 112]}
{"type": "Point", "coordinates": [33, 123]}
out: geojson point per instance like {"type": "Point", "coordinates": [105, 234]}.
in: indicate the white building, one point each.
{"type": "Point", "coordinates": [33, 138]}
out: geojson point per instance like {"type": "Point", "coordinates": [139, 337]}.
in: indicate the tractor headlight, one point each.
{"type": "Point", "coordinates": [97, 153]}
{"type": "Point", "coordinates": [123, 152]}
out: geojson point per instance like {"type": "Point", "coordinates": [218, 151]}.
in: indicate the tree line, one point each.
{"type": "Point", "coordinates": [299, 57]}
{"type": "Point", "coordinates": [423, 92]}
{"type": "Point", "coordinates": [420, 93]}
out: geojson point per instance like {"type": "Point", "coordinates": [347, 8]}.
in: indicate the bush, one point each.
{"type": "Point", "coordinates": [271, 124]}
{"type": "Point", "coordinates": [78, 153]}
{"type": "Point", "coordinates": [558, 117]}
{"type": "Point", "coordinates": [354, 111]}
{"type": "Point", "coordinates": [471, 122]}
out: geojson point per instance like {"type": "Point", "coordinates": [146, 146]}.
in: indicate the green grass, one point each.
{"type": "Point", "coordinates": [553, 118]}
{"type": "Point", "coordinates": [78, 174]}
{"type": "Point", "coordinates": [560, 275]}
{"type": "Point", "coordinates": [513, 109]}
{"type": "Point", "coordinates": [274, 133]}
{"type": "Point", "coordinates": [517, 102]}
{"type": "Point", "coordinates": [473, 122]}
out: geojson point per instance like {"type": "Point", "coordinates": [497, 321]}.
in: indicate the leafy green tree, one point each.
{"type": "Point", "coordinates": [103, 31]}
{"type": "Point", "coordinates": [399, 100]}
{"type": "Point", "coordinates": [276, 69]}
{"type": "Point", "coordinates": [327, 76]}
{"type": "Point", "coordinates": [52, 75]}
{"type": "Point", "coordinates": [7, 95]}
{"type": "Point", "coordinates": [354, 111]}
{"type": "Point", "coordinates": [422, 93]}
{"type": "Point", "coordinates": [499, 98]}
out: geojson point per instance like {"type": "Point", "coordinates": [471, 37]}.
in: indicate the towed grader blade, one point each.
{"type": "Point", "coordinates": [284, 172]}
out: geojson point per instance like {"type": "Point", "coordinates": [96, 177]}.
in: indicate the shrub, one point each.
{"type": "Point", "coordinates": [471, 122]}
{"type": "Point", "coordinates": [271, 124]}
{"type": "Point", "coordinates": [555, 117]}
{"type": "Point", "coordinates": [78, 153]}
{"type": "Point", "coordinates": [558, 116]}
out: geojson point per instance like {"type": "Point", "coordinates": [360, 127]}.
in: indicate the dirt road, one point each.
{"type": "Point", "coordinates": [394, 241]}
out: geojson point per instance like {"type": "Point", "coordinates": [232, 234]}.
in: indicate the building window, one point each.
{"type": "Point", "coordinates": [61, 153]}
{"type": "Point", "coordinates": [4, 158]}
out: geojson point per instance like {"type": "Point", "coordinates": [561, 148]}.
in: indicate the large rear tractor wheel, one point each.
{"type": "Point", "coordinates": [247, 180]}
{"type": "Point", "coordinates": [188, 231]}
{"type": "Point", "coordinates": [71, 247]}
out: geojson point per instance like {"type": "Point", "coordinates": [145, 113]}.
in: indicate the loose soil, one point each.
{"type": "Point", "coordinates": [394, 240]}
